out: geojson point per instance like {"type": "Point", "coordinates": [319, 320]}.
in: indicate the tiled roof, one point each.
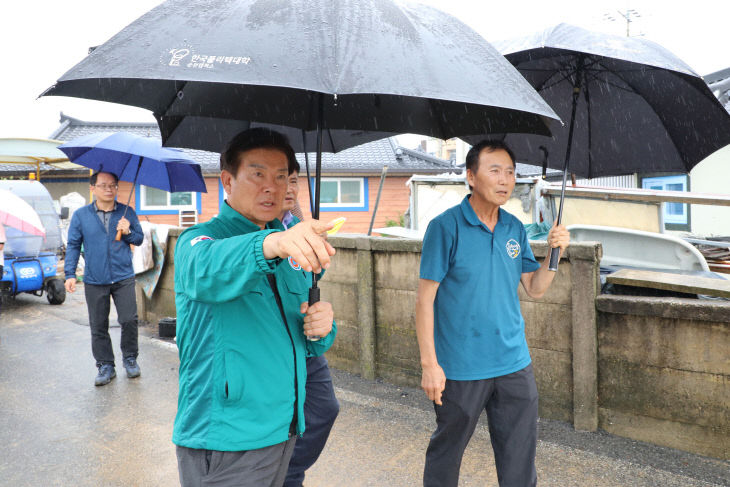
{"type": "Point", "coordinates": [24, 168]}
{"type": "Point", "coordinates": [364, 159]}
{"type": "Point", "coordinates": [528, 170]}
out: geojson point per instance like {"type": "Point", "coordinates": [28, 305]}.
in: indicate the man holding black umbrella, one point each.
{"type": "Point", "coordinates": [321, 406]}
{"type": "Point", "coordinates": [241, 289]}
{"type": "Point", "coordinates": [108, 272]}
{"type": "Point", "coordinates": [470, 331]}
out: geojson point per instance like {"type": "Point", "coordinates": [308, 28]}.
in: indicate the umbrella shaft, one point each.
{"type": "Point", "coordinates": [555, 252]}
{"type": "Point", "coordinates": [318, 167]}
{"type": "Point", "coordinates": [314, 291]}
{"type": "Point", "coordinates": [576, 94]}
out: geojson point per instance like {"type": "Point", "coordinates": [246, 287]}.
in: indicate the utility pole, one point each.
{"type": "Point", "coordinates": [628, 15]}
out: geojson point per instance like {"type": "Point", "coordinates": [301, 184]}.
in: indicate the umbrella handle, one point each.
{"type": "Point", "coordinates": [313, 295]}
{"type": "Point", "coordinates": [554, 258]}
{"type": "Point", "coordinates": [313, 298]}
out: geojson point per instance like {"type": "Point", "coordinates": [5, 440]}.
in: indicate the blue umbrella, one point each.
{"type": "Point", "coordinates": [136, 159]}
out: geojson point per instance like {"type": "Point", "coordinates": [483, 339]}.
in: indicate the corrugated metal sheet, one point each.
{"type": "Point", "coordinates": [628, 181]}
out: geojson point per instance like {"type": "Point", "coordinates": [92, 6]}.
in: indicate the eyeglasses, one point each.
{"type": "Point", "coordinates": [104, 187]}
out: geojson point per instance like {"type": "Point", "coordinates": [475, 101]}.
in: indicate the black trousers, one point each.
{"type": "Point", "coordinates": [98, 304]}
{"type": "Point", "coordinates": [511, 405]}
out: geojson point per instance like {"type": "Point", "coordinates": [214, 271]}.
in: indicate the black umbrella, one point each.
{"type": "Point", "coordinates": [336, 73]}
{"type": "Point", "coordinates": [632, 106]}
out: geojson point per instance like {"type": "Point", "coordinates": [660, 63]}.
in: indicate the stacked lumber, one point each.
{"type": "Point", "coordinates": [717, 256]}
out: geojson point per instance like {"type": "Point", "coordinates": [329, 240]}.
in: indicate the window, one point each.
{"type": "Point", "coordinates": [344, 194]}
{"type": "Point", "coordinates": [152, 201]}
{"type": "Point", "coordinates": [676, 215]}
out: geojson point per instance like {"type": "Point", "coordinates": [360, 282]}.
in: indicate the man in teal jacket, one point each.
{"type": "Point", "coordinates": [241, 288]}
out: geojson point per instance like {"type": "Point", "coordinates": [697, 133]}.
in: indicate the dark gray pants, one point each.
{"type": "Point", "coordinates": [511, 405]}
{"type": "Point", "coordinates": [97, 302]}
{"type": "Point", "coordinates": [263, 467]}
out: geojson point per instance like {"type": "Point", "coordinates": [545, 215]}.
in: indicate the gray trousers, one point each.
{"type": "Point", "coordinates": [263, 467]}
{"type": "Point", "coordinates": [511, 405]}
{"type": "Point", "coordinates": [98, 304]}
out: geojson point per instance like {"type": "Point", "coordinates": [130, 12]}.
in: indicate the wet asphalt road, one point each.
{"type": "Point", "coordinates": [57, 429]}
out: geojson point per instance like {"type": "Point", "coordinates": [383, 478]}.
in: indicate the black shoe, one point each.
{"type": "Point", "coordinates": [130, 363]}
{"type": "Point", "coordinates": [105, 375]}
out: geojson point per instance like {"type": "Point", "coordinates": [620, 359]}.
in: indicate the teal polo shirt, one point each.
{"type": "Point", "coordinates": [479, 331]}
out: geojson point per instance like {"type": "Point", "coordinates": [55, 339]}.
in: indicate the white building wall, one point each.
{"type": "Point", "coordinates": [712, 175]}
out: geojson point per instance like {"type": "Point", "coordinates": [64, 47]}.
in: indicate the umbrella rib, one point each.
{"type": "Point", "coordinates": [633, 90]}
{"type": "Point", "coordinates": [566, 70]}
{"type": "Point", "coordinates": [331, 139]}
{"type": "Point", "coordinates": [175, 97]}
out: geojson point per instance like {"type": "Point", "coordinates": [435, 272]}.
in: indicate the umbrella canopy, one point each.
{"type": "Point", "coordinates": [638, 107]}
{"type": "Point", "coordinates": [335, 72]}
{"type": "Point", "coordinates": [631, 106]}
{"type": "Point", "coordinates": [16, 213]}
{"type": "Point", "coordinates": [358, 69]}
{"type": "Point", "coordinates": [40, 153]}
{"type": "Point", "coordinates": [136, 159]}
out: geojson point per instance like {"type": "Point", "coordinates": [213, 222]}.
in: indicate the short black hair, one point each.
{"type": "Point", "coordinates": [293, 166]}
{"type": "Point", "coordinates": [256, 138]}
{"type": "Point", "coordinates": [95, 176]}
{"type": "Point", "coordinates": [472, 157]}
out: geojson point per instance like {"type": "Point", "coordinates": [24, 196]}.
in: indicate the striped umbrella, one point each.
{"type": "Point", "coordinates": [16, 213]}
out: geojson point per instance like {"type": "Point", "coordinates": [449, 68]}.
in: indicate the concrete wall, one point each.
{"type": "Point", "coordinates": [434, 198]}
{"type": "Point", "coordinates": [652, 369]}
{"type": "Point", "coordinates": [637, 215]}
{"type": "Point", "coordinates": [664, 371]}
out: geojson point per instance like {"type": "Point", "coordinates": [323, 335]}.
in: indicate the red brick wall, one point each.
{"type": "Point", "coordinates": [393, 202]}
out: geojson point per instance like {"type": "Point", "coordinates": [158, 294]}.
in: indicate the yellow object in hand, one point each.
{"type": "Point", "coordinates": [338, 224]}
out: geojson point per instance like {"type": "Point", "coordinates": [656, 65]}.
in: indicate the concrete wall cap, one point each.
{"type": "Point", "coordinates": [665, 307]}
{"type": "Point", "coordinates": [575, 251]}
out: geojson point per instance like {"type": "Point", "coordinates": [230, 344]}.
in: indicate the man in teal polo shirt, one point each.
{"type": "Point", "coordinates": [241, 291]}
{"type": "Point", "coordinates": [471, 334]}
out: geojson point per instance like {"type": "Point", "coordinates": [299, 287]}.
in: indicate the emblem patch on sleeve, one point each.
{"type": "Point", "coordinates": [294, 265]}
{"type": "Point", "coordinates": [199, 238]}
{"type": "Point", "coordinates": [513, 248]}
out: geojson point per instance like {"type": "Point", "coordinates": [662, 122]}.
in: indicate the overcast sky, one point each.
{"type": "Point", "coordinates": [43, 39]}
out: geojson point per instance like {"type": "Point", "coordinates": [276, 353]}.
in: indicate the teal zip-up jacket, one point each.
{"type": "Point", "coordinates": [242, 370]}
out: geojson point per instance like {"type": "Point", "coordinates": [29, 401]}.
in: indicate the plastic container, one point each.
{"type": "Point", "coordinates": [167, 327]}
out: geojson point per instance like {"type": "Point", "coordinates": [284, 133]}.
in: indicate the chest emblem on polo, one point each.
{"type": "Point", "coordinates": [513, 248]}
{"type": "Point", "coordinates": [294, 265]}
{"type": "Point", "coordinates": [200, 238]}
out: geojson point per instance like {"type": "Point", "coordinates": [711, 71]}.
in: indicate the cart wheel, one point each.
{"type": "Point", "coordinates": [55, 291]}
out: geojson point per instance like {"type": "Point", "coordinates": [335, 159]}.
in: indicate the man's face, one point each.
{"type": "Point", "coordinates": [257, 191]}
{"type": "Point", "coordinates": [494, 179]}
{"type": "Point", "coordinates": [105, 189]}
{"type": "Point", "coordinates": [292, 192]}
